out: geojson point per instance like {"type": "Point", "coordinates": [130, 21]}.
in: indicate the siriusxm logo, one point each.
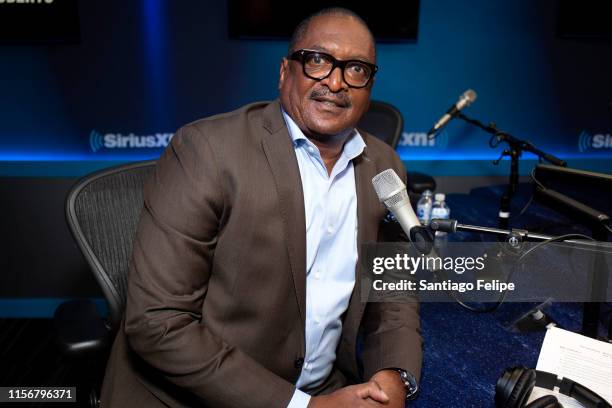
{"type": "Point", "coordinates": [588, 142]}
{"type": "Point", "coordinates": [420, 139]}
{"type": "Point", "coordinates": [98, 141]}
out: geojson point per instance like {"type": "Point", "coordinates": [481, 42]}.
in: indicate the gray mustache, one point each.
{"type": "Point", "coordinates": [340, 98]}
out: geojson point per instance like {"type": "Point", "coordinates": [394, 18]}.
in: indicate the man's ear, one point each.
{"type": "Point", "coordinates": [284, 67]}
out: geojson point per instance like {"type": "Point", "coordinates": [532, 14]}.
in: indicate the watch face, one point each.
{"type": "Point", "coordinates": [411, 385]}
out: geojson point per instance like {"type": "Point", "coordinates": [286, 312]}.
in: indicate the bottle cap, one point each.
{"type": "Point", "coordinates": [427, 193]}
{"type": "Point", "coordinates": [440, 196]}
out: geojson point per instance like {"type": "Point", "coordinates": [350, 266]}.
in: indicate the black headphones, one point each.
{"type": "Point", "coordinates": [515, 385]}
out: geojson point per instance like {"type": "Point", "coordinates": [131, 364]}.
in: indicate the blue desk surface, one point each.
{"type": "Point", "coordinates": [464, 352]}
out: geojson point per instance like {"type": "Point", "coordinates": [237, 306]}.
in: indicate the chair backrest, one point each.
{"type": "Point", "coordinates": [384, 121]}
{"type": "Point", "coordinates": [102, 211]}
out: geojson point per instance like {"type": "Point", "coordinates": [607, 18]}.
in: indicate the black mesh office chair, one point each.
{"type": "Point", "coordinates": [102, 211]}
{"type": "Point", "coordinates": [385, 121]}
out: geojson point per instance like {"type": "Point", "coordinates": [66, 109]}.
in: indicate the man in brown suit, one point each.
{"type": "Point", "coordinates": [220, 296]}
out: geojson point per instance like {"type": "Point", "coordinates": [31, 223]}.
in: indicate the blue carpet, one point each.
{"type": "Point", "coordinates": [465, 353]}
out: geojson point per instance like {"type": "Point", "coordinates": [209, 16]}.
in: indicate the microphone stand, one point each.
{"type": "Point", "coordinates": [515, 237]}
{"type": "Point", "coordinates": [514, 151]}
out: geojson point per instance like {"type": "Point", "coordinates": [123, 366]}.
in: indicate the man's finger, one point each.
{"type": "Point", "coordinates": [372, 390]}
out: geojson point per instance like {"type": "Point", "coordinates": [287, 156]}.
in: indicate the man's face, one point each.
{"type": "Point", "coordinates": [327, 106]}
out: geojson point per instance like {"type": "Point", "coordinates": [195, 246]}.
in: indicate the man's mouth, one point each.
{"type": "Point", "coordinates": [332, 102]}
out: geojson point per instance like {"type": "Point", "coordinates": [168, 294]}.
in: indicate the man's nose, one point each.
{"type": "Point", "coordinates": [335, 80]}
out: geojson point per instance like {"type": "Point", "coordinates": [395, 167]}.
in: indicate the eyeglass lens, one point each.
{"type": "Point", "coordinates": [319, 66]}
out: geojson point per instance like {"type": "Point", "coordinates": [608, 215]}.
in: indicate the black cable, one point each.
{"type": "Point", "coordinates": [553, 239]}
{"type": "Point", "coordinates": [533, 178]}
{"type": "Point", "coordinates": [502, 297]}
{"type": "Point", "coordinates": [526, 206]}
{"type": "Point", "coordinates": [491, 144]}
{"type": "Point", "coordinates": [496, 139]}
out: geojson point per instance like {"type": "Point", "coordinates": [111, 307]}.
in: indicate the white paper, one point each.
{"type": "Point", "coordinates": [582, 359]}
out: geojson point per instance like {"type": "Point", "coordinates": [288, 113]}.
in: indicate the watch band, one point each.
{"type": "Point", "coordinates": [410, 382]}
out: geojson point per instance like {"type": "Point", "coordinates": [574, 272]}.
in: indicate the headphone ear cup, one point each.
{"type": "Point", "coordinates": [548, 401]}
{"type": "Point", "coordinates": [513, 387]}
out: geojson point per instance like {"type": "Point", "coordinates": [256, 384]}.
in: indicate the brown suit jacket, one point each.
{"type": "Point", "coordinates": [217, 287]}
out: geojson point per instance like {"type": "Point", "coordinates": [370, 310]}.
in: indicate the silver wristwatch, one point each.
{"type": "Point", "coordinates": [412, 387]}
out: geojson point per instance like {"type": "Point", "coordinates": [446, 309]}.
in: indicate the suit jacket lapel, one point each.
{"type": "Point", "coordinates": [279, 151]}
{"type": "Point", "coordinates": [367, 230]}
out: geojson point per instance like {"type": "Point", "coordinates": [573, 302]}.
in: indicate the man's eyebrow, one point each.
{"type": "Point", "coordinates": [317, 47]}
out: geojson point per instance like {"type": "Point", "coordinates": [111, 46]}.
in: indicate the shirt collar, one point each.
{"type": "Point", "coordinates": [353, 146]}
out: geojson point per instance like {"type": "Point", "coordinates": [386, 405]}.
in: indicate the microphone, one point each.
{"type": "Point", "coordinates": [464, 101]}
{"type": "Point", "coordinates": [392, 192]}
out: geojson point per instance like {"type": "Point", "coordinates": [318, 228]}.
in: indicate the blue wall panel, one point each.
{"type": "Point", "coordinates": [157, 64]}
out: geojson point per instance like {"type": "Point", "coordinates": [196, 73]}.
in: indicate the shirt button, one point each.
{"type": "Point", "coordinates": [306, 365]}
{"type": "Point", "coordinates": [317, 275]}
{"type": "Point", "coordinates": [317, 320]}
{"type": "Point", "coordinates": [330, 230]}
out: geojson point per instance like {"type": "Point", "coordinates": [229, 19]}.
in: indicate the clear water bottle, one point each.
{"type": "Point", "coordinates": [440, 210]}
{"type": "Point", "coordinates": [424, 207]}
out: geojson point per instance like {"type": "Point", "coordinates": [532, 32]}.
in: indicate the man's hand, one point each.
{"type": "Point", "coordinates": [366, 395]}
{"type": "Point", "coordinates": [391, 383]}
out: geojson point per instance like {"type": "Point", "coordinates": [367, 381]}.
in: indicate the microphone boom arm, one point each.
{"type": "Point", "coordinates": [524, 145]}
{"type": "Point", "coordinates": [513, 237]}
{"type": "Point", "coordinates": [515, 150]}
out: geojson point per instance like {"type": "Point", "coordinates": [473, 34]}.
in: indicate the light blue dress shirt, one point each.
{"type": "Point", "coordinates": [330, 203]}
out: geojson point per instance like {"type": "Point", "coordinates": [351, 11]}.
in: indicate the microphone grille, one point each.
{"type": "Point", "coordinates": [469, 95]}
{"type": "Point", "coordinates": [387, 184]}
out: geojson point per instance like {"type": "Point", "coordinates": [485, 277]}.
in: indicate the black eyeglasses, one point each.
{"type": "Point", "coordinates": [319, 65]}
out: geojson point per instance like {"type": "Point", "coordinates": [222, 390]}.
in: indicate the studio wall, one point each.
{"type": "Point", "coordinates": [144, 68]}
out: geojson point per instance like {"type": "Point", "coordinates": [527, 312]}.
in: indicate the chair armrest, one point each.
{"type": "Point", "coordinates": [79, 328]}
